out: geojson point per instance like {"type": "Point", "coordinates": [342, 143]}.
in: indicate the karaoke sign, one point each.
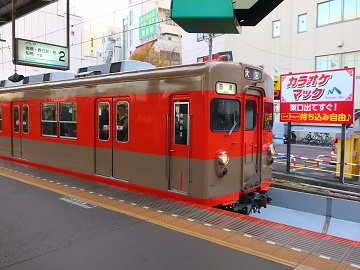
{"type": "Point", "coordinates": [318, 97]}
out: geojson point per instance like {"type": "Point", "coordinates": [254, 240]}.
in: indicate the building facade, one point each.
{"type": "Point", "coordinates": [298, 36]}
{"type": "Point", "coordinates": [48, 25]}
{"type": "Point", "coordinates": [149, 22]}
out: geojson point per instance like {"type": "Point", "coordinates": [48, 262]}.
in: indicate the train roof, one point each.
{"type": "Point", "coordinates": [122, 66]}
{"type": "Point", "coordinates": [109, 73]}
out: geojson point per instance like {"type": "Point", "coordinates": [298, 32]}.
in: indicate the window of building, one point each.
{"type": "Point", "coordinates": [326, 62]}
{"type": "Point", "coordinates": [302, 23]}
{"type": "Point", "coordinates": [131, 18]}
{"type": "Point", "coordinates": [131, 38]}
{"type": "Point", "coordinates": [276, 29]}
{"type": "Point", "coordinates": [352, 59]}
{"type": "Point", "coordinates": [25, 119]}
{"type": "Point", "coordinates": [67, 119]}
{"type": "Point", "coordinates": [0, 118]}
{"type": "Point", "coordinates": [338, 10]}
{"type": "Point", "coordinates": [48, 119]}
{"type": "Point", "coordinates": [336, 61]}
{"type": "Point", "coordinates": [122, 122]}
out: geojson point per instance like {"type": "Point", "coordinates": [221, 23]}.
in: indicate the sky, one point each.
{"type": "Point", "coordinates": [104, 12]}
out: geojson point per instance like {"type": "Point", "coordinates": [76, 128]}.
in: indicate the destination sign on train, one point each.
{"type": "Point", "coordinates": [252, 74]}
{"type": "Point", "coordinates": [226, 88]}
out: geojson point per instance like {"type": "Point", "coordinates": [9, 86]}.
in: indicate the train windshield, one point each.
{"type": "Point", "coordinates": [225, 114]}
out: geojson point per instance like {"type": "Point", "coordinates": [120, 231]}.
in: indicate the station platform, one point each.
{"type": "Point", "coordinates": [50, 220]}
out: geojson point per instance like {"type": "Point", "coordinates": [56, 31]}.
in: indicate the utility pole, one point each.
{"type": "Point", "coordinates": [210, 45]}
{"type": "Point", "coordinates": [124, 41]}
{"type": "Point", "coordinates": [2, 53]}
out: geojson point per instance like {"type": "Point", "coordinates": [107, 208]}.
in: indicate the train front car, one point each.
{"type": "Point", "coordinates": [238, 147]}
{"type": "Point", "coordinates": [201, 132]}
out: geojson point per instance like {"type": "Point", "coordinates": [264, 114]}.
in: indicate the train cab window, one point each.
{"type": "Point", "coordinates": [0, 118]}
{"type": "Point", "coordinates": [268, 115]}
{"type": "Point", "coordinates": [48, 119]}
{"type": "Point", "coordinates": [67, 119]}
{"type": "Point", "coordinates": [250, 115]}
{"type": "Point", "coordinates": [104, 121]}
{"type": "Point", "coordinates": [25, 119]}
{"type": "Point", "coordinates": [122, 121]}
{"type": "Point", "coordinates": [16, 118]}
{"type": "Point", "coordinates": [225, 114]}
{"type": "Point", "coordinates": [181, 114]}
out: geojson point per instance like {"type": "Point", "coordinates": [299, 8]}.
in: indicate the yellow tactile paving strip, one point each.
{"type": "Point", "coordinates": [297, 260]}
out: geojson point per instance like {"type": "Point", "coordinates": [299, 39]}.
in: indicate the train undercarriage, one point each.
{"type": "Point", "coordinates": [250, 202]}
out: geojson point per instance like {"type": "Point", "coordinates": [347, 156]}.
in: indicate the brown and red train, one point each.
{"type": "Point", "coordinates": [200, 132]}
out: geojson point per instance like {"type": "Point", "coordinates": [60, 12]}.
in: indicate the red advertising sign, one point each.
{"type": "Point", "coordinates": [318, 97]}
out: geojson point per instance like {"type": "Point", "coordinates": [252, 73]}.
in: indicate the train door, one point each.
{"type": "Point", "coordinates": [104, 140]}
{"type": "Point", "coordinates": [111, 135]}
{"type": "Point", "coordinates": [252, 141]}
{"type": "Point", "coordinates": [16, 130]}
{"type": "Point", "coordinates": [179, 148]}
{"type": "Point", "coordinates": [121, 124]}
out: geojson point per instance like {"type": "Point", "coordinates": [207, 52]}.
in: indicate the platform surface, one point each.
{"type": "Point", "coordinates": [50, 220]}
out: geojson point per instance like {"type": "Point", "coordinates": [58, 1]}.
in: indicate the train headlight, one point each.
{"type": "Point", "coordinates": [271, 150]}
{"type": "Point", "coordinates": [223, 158]}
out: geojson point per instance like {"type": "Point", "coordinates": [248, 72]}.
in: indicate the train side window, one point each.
{"type": "Point", "coordinates": [67, 119]}
{"type": "Point", "coordinates": [122, 121]}
{"type": "Point", "coordinates": [48, 119]}
{"type": "Point", "coordinates": [181, 115]}
{"type": "Point", "coordinates": [268, 115]}
{"type": "Point", "coordinates": [225, 113]}
{"type": "Point", "coordinates": [25, 119]}
{"type": "Point", "coordinates": [0, 118]}
{"type": "Point", "coordinates": [250, 115]}
{"type": "Point", "coordinates": [16, 118]}
{"type": "Point", "coordinates": [104, 121]}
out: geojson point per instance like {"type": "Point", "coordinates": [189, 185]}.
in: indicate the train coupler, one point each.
{"type": "Point", "coordinates": [252, 202]}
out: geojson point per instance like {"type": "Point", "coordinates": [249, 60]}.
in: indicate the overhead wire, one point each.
{"type": "Point", "coordinates": [83, 22]}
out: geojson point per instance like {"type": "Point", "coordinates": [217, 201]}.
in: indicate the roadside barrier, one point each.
{"type": "Point", "coordinates": [321, 159]}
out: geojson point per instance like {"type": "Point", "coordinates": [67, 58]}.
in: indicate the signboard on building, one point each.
{"type": "Point", "coordinates": [318, 97]}
{"type": "Point", "coordinates": [38, 54]}
{"type": "Point", "coordinates": [148, 23]}
{"type": "Point", "coordinates": [277, 88]}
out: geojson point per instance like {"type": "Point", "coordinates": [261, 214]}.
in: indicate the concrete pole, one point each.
{"type": "Point", "coordinates": [210, 45]}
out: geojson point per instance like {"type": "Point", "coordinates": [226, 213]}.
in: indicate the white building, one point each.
{"type": "Point", "coordinates": [149, 22]}
{"type": "Point", "coordinates": [46, 25]}
{"type": "Point", "coordinates": [297, 36]}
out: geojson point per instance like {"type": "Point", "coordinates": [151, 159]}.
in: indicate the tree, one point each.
{"type": "Point", "coordinates": [148, 54]}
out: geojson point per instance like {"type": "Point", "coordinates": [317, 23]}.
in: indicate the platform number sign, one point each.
{"type": "Point", "coordinates": [38, 54]}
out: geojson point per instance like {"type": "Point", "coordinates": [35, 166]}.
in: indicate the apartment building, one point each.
{"type": "Point", "coordinates": [46, 25]}
{"type": "Point", "coordinates": [298, 36]}
{"type": "Point", "coordinates": [148, 22]}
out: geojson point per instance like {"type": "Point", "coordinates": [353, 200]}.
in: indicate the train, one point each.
{"type": "Point", "coordinates": [200, 133]}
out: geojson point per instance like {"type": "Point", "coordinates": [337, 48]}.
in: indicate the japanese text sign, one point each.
{"type": "Point", "coordinates": [318, 97]}
{"type": "Point", "coordinates": [38, 54]}
{"type": "Point", "coordinates": [148, 24]}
